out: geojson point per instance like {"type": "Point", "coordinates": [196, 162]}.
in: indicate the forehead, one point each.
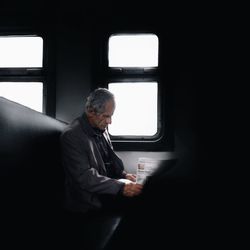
{"type": "Point", "coordinates": [109, 106]}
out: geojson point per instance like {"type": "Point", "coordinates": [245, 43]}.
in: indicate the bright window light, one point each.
{"type": "Point", "coordinates": [21, 52]}
{"type": "Point", "coordinates": [29, 94]}
{"type": "Point", "coordinates": [136, 109]}
{"type": "Point", "coordinates": [133, 50]}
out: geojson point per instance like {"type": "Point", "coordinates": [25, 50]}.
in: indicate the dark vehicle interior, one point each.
{"type": "Point", "coordinates": [76, 58]}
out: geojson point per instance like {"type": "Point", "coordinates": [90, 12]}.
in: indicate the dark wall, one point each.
{"type": "Point", "coordinates": [73, 67]}
{"type": "Point", "coordinates": [185, 126]}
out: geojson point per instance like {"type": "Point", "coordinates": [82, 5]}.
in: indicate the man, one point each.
{"type": "Point", "coordinates": [93, 171]}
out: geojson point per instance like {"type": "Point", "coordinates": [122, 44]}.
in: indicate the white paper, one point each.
{"type": "Point", "coordinates": [145, 168]}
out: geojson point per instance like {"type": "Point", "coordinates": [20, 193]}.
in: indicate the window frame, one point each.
{"type": "Point", "coordinates": [133, 138]}
{"type": "Point", "coordinates": [134, 74]}
{"type": "Point", "coordinates": [32, 74]}
{"type": "Point", "coordinates": [103, 75]}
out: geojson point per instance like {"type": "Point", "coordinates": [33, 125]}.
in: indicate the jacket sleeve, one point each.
{"type": "Point", "coordinates": [79, 170]}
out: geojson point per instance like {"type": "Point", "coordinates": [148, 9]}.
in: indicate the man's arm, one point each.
{"type": "Point", "coordinates": [77, 166]}
{"type": "Point", "coordinates": [131, 177]}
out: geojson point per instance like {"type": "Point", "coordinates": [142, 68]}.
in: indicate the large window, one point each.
{"type": "Point", "coordinates": [132, 76]}
{"type": "Point", "coordinates": [136, 116]}
{"type": "Point", "coordinates": [21, 70]}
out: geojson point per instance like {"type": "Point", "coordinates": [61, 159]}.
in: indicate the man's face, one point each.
{"type": "Point", "coordinates": [102, 120]}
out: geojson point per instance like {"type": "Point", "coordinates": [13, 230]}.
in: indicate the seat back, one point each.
{"type": "Point", "coordinates": [31, 175]}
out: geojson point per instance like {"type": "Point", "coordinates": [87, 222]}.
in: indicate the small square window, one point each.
{"type": "Point", "coordinates": [29, 94]}
{"type": "Point", "coordinates": [136, 109]}
{"type": "Point", "coordinates": [139, 50]}
{"type": "Point", "coordinates": [21, 51]}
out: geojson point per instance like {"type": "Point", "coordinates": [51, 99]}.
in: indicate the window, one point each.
{"type": "Point", "coordinates": [29, 94]}
{"type": "Point", "coordinates": [133, 50]}
{"type": "Point", "coordinates": [133, 78]}
{"type": "Point", "coordinates": [21, 70]}
{"type": "Point", "coordinates": [134, 118]}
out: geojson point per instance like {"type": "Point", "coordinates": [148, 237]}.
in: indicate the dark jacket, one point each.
{"type": "Point", "coordinates": [85, 172]}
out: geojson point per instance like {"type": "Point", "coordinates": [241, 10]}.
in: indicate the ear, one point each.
{"type": "Point", "coordinates": [91, 113]}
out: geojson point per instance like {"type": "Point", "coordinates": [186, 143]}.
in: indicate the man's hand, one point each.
{"type": "Point", "coordinates": [132, 189]}
{"type": "Point", "coordinates": [131, 177]}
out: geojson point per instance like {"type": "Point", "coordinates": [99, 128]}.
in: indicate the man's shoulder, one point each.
{"type": "Point", "coordinates": [73, 128]}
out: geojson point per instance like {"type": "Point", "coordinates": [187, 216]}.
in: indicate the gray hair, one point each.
{"type": "Point", "coordinates": [97, 99]}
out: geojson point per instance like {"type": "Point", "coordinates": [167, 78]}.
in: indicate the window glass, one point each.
{"type": "Point", "coordinates": [29, 94]}
{"type": "Point", "coordinates": [139, 50]}
{"type": "Point", "coordinates": [136, 108]}
{"type": "Point", "coordinates": [21, 51]}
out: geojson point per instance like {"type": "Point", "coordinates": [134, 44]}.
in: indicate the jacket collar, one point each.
{"type": "Point", "coordinates": [87, 127]}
